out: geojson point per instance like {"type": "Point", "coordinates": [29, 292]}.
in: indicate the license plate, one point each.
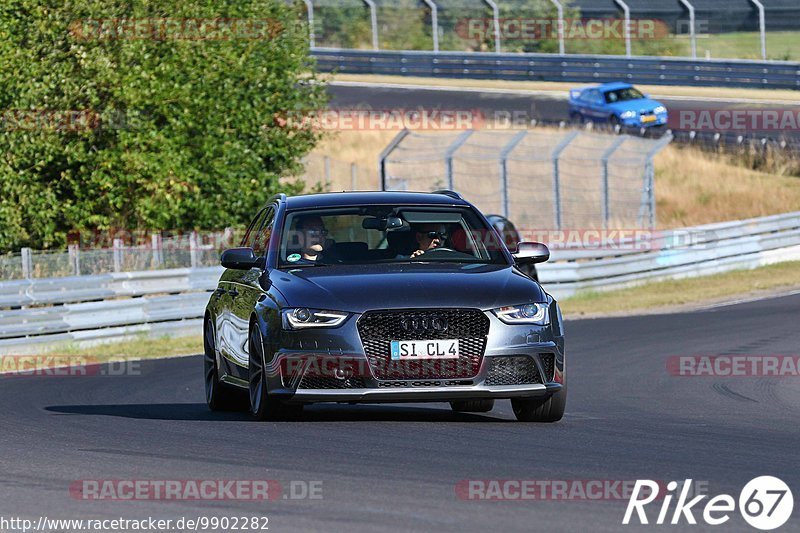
{"type": "Point", "coordinates": [649, 118]}
{"type": "Point", "coordinates": [438, 349]}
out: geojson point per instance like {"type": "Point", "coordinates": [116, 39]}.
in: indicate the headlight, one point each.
{"type": "Point", "coordinates": [524, 314]}
{"type": "Point", "coordinates": [660, 109]}
{"type": "Point", "coordinates": [302, 318]}
{"type": "Point", "coordinates": [628, 114]}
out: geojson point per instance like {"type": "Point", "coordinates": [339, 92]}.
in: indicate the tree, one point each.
{"type": "Point", "coordinates": [156, 114]}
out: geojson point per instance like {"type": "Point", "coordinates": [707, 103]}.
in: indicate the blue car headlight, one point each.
{"type": "Point", "coordinates": [303, 318]}
{"type": "Point", "coordinates": [628, 114]}
{"type": "Point", "coordinates": [660, 109]}
{"type": "Point", "coordinates": [533, 313]}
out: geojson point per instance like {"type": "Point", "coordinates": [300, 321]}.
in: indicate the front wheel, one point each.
{"type": "Point", "coordinates": [219, 396]}
{"type": "Point", "coordinates": [546, 410]}
{"type": "Point", "coordinates": [262, 405]}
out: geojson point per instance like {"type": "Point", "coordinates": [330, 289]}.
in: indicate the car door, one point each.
{"type": "Point", "coordinates": [245, 291]}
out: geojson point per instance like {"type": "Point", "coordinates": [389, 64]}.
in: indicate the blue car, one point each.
{"type": "Point", "coordinates": [618, 104]}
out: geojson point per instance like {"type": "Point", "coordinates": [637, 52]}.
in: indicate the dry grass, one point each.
{"type": "Point", "coordinates": [692, 186]}
{"type": "Point", "coordinates": [768, 280]}
{"type": "Point", "coordinates": [563, 88]}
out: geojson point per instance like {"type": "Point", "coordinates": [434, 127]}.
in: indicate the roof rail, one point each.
{"type": "Point", "coordinates": [448, 192]}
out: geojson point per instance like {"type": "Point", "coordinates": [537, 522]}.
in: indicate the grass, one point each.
{"type": "Point", "coordinates": [781, 45]}
{"type": "Point", "coordinates": [694, 291]}
{"type": "Point", "coordinates": [692, 186]}
{"type": "Point", "coordinates": [657, 91]}
{"type": "Point", "coordinates": [142, 348]}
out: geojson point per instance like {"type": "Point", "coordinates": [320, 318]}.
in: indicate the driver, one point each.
{"type": "Point", "coordinates": [312, 235]}
{"type": "Point", "coordinates": [429, 237]}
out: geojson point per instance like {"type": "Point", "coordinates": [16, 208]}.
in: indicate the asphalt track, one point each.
{"type": "Point", "coordinates": [543, 106]}
{"type": "Point", "coordinates": [396, 467]}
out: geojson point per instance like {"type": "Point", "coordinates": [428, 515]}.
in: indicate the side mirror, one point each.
{"type": "Point", "coordinates": [241, 259]}
{"type": "Point", "coordinates": [531, 253]}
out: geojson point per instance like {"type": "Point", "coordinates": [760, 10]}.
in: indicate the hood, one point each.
{"type": "Point", "coordinates": [641, 105]}
{"type": "Point", "coordinates": [359, 288]}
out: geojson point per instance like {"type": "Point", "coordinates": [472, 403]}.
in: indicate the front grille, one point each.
{"type": "Point", "coordinates": [519, 370]}
{"type": "Point", "coordinates": [324, 382]}
{"type": "Point", "coordinates": [435, 383]}
{"type": "Point", "coordinates": [378, 328]}
{"type": "Point", "coordinates": [548, 363]}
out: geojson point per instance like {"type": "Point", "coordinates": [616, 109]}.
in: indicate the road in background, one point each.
{"type": "Point", "coordinates": [396, 467]}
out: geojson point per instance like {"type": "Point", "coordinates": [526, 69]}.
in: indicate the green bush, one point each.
{"type": "Point", "coordinates": [110, 128]}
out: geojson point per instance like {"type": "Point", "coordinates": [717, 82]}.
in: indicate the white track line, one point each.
{"type": "Point", "coordinates": [554, 95]}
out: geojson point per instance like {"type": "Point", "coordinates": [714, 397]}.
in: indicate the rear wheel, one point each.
{"type": "Point", "coordinates": [262, 405]}
{"type": "Point", "coordinates": [549, 409]}
{"type": "Point", "coordinates": [472, 406]}
{"type": "Point", "coordinates": [219, 397]}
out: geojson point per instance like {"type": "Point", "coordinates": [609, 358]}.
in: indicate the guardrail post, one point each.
{"type": "Point", "coordinates": [560, 11]}
{"type": "Point", "coordinates": [504, 153]}
{"type": "Point", "coordinates": [627, 29]}
{"type": "Point", "coordinates": [194, 248]}
{"type": "Point", "coordinates": [373, 18]}
{"type": "Point", "coordinates": [606, 156]}
{"type": "Point", "coordinates": [310, 11]}
{"type": "Point", "coordinates": [117, 251]}
{"type": "Point", "coordinates": [496, 23]}
{"type": "Point", "coordinates": [556, 177]}
{"type": "Point", "coordinates": [762, 27]}
{"type": "Point", "coordinates": [386, 153]}
{"type": "Point", "coordinates": [692, 32]}
{"type": "Point", "coordinates": [157, 244]}
{"type": "Point", "coordinates": [434, 23]}
{"type": "Point", "coordinates": [448, 158]}
{"type": "Point", "coordinates": [27, 263]}
{"type": "Point", "coordinates": [74, 251]}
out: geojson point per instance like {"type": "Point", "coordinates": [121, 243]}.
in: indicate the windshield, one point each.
{"type": "Point", "coordinates": [623, 95]}
{"type": "Point", "coordinates": [387, 234]}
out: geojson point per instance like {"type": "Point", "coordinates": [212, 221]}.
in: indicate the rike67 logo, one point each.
{"type": "Point", "coordinates": [765, 503]}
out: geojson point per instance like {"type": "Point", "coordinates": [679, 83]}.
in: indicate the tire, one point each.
{"type": "Point", "coordinates": [262, 405]}
{"type": "Point", "coordinates": [219, 396]}
{"type": "Point", "coordinates": [614, 123]}
{"type": "Point", "coordinates": [472, 406]}
{"type": "Point", "coordinates": [540, 409]}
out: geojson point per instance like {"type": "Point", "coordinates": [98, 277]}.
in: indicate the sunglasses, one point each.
{"type": "Point", "coordinates": [435, 234]}
{"type": "Point", "coordinates": [316, 232]}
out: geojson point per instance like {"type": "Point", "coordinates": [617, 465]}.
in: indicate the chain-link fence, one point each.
{"type": "Point", "coordinates": [326, 174]}
{"type": "Point", "coordinates": [542, 178]}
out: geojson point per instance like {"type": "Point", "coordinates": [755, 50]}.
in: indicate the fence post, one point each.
{"type": "Point", "coordinates": [627, 29]}
{"type": "Point", "coordinates": [74, 251]}
{"type": "Point", "coordinates": [193, 249]}
{"type": "Point", "coordinates": [373, 18]}
{"type": "Point", "coordinates": [557, 178]}
{"type": "Point", "coordinates": [385, 155]}
{"type": "Point", "coordinates": [692, 31]}
{"type": "Point", "coordinates": [496, 23]}
{"type": "Point", "coordinates": [504, 153]}
{"type": "Point", "coordinates": [310, 10]}
{"type": "Point", "coordinates": [353, 177]}
{"type": "Point", "coordinates": [434, 23]}
{"type": "Point", "coordinates": [762, 28]}
{"type": "Point", "coordinates": [560, 11]}
{"type": "Point", "coordinates": [118, 244]}
{"type": "Point", "coordinates": [448, 158]}
{"type": "Point", "coordinates": [156, 244]}
{"type": "Point", "coordinates": [27, 263]}
{"type": "Point", "coordinates": [606, 156]}
{"type": "Point", "coordinates": [326, 160]}
{"type": "Point", "coordinates": [648, 185]}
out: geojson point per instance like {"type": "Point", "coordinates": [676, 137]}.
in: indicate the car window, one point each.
{"type": "Point", "coordinates": [253, 228]}
{"type": "Point", "coordinates": [261, 237]}
{"type": "Point", "coordinates": [387, 234]}
{"type": "Point", "coordinates": [623, 95]}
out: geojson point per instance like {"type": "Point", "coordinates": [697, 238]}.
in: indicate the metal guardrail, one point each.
{"type": "Point", "coordinates": [570, 68]}
{"type": "Point", "coordinates": [46, 311]}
